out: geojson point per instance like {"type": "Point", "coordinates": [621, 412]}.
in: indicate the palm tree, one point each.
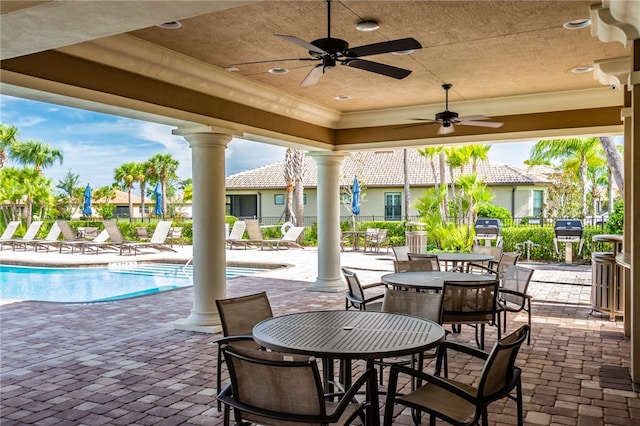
{"type": "Point", "coordinates": [407, 185]}
{"type": "Point", "coordinates": [575, 153]}
{"type": "Point", "coordinates": [457, 157]}
{"type": "Point", "coordinates": [36, 187]}
{"type": "Point", "coordinates": [438, 176]}
{"type": "Point", "coordinates": [162, 167]}
{"type": "Point", "coordinates": [126, 175]}
{"type": "Point", "coordinates": [614, 161]}
{"type": "Point", "coordinates": [38, 154]}
{"type": "Point", "coordinates": [141, 178]}
{"type": "Point", "coordinates": [478, 153]}
{"type": "Point", "coordinates": [289, 184]}
{"type": "Point", "coordinates": [298, 174]}
{"type": "Point", "coordinates": [8, 136]}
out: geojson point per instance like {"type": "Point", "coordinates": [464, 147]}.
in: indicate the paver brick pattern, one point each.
{"type": "Point", "coordinates": [122, 363]}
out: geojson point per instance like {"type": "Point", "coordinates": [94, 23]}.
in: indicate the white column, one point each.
{"type": "Point", "coordinates": [209, 256]}
{"type": "Point", "coordinates": [329, 275]}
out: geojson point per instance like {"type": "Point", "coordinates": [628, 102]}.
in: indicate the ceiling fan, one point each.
{"type": "Point", "coordinates": [330, 51]}
{"type": "Point", "coordinates": [447, 119]}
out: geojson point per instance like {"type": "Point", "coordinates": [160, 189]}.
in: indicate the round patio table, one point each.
{"type": "Point", "coordinates": [429, 280]}
{"type": "Point", "coordinates": [456, 258]}
{"type": "Point", "coordinates": [348, 335]}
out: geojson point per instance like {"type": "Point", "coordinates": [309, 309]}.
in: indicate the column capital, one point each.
{"type": "Point", "coordinates": [327, 157]}
{"type": "Point", "coordinates": [203, 136]}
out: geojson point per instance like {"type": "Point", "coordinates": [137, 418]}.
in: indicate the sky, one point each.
{"type": "Point", "coordinates": [94, 144]}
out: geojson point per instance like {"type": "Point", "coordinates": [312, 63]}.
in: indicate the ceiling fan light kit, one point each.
{"type": "Point", "coordinates": [367, 26]}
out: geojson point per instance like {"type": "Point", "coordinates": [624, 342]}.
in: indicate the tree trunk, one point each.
{"type": "Point", "coordinates": [130, 207]}
{"type": "Point", "coordinates": [299, 208]}
{"type": "Point", "coordinates": [442, 177]}
{"type": "Point", "coordinates": [143, 186]}
{"type": "Point", "coordinates": [164, 199]}
{"type": "Point", "coordinates": [614, 160]}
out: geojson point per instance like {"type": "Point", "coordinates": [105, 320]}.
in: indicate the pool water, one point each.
{"type": "Point", "coordinates": [119, 281]}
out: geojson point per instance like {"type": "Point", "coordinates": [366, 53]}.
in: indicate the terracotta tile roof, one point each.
{"type": "Point", "coordinates": [385, 169]}
{"type": "Point", "coordinates": [122, 198]}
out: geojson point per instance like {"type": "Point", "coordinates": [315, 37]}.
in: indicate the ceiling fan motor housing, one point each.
{"type": "Point", "coordinates": [330, 45]}
{"type": "Point", "coordinates": [446, 116]}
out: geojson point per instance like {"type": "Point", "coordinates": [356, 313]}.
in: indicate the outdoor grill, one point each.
{"type": "Point", "coordinates": [568, 231]}
{"type": "Point", "coordinates": [488, 229]}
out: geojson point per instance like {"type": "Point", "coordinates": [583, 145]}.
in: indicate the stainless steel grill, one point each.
{"type": "Point", "coordinates": [568, 231]}
{"type": "Point", "coordinates": [488, 229]}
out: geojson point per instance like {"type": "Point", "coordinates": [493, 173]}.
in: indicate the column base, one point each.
{"type": "Point", "coordinates": [328, 286]}
{"type": "Point", "coordinates": [186, 325]}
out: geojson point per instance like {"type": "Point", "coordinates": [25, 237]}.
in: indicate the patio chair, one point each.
{"type": "Point", "coordinates": [142, 234]}
{"type": "Point", "coordinates": [176, 236]}
{"type": "Point", "coordinates": [376, 238]}
{"type": "Point", "coordinates": [235, 236]}
{"type": "Point", "coordinates": [98, 243]}
{"type": "Point", "coordinates": [29, 236]}
{"type": "Point", "coordinates": [413, 265]}
{"type": "Point", "coordinates": [253, 231]}
{"type": "Point", "coordinates": [401, 252]}
{"type": "Point", "coordinates": [8, 232]}
{"type": "Point", "coordinates": [495, 251]}
{"type": "Point", "coordinates": [507, 258]}
{"type": "Point", "coordinates": [472, 303]}
{"type": "Point", "coordinates": [427, 305]}
{"type": "Point", "coordinates": [238, 315]}
{"type": "Point", "coordinates": [512, 294]}
{"type": "Point", "coordinates": [459, 403]}
{"type": "Point", "coordinates": [430, 256]}
{"type": "Point", "coordinates": [355, 297]}
{"type": "Point", "coordinates": [70, 238]}
{"type": "Point", "coordinates": [274, 388]}
{"type": "Point", "coordinates": [289, 239]}
{"type": "Point", "coordinates": [157, 240]}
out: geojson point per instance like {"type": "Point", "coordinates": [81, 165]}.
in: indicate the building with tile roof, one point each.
{"type": "Point", "coordinates": [260, 192]}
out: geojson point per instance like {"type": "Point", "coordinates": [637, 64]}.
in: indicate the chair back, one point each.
{"type": "Point", "coordinates": [469, 302]}
{"type": "Point", "coordinates": [238, 315]}
{"type": "Point", "coordinates": [413, 265]}
{"type": "Point", "coordinates": [371, 235]}
{"type": "Point", "coordinates": [67, 232]}
{"type": "Point", "coordinates": [401, 252]}
{"type": "Point", "coordinates": [354, 289]}
{"type": "Point", "coordinates": [141, 233]}
{"type": "Point", "coordinates": [253, 229]}
{"type": "Point", "coordinates": [104, 236]}
{"type": "Point", "coordinates": [283, 384]}
{"type": "Point", "coordinates": [433, 258]}
{"type": "Point", "coordinates": [113, 232]}
{"type": "Point", "coordinates": [515, 284]}
{"type": "Point", "coordinates": [54, 232]}
{"type": "Point", "coordinates": [237, 231]}
{"type": "Point", "coordinates": [293, 233]}
{"type": "Point", "coordinates": [161, 232]}
{"type": "Point", "coordinates": [507, 258]}
{"type": "Point", "coordinates": [427, 305]}
{"type": "Point", "coordinates": [10, 230]}
{"type": "Point", "coordinates": [499, 369]}
{"type": "Point", "coordinates": [32, 231]}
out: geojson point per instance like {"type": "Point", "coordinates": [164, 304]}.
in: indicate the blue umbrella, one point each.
{"type": "Point", "coordinates": [86, 209]}
{"type": "Point", "coordinates": [355, 200]}
{"type": "Point", "coordinates": [157, 192]}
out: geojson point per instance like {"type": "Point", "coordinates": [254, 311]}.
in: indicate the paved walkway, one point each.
{"type": "Point", "coordinates": [121, 363]}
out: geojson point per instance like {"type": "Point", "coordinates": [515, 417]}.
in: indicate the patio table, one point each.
{"type": "Point", "coordinates": [349, 335]}
{"type": "Point", "coordinates": [429, 280]}
{"type": "Point", "coordinates": [354, 237]}
{"type": "Point", "coordinates": [456, 258]}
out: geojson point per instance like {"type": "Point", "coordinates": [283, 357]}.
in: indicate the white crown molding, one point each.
{"type": "Point", "coordinates": [612, 72]}
{"type": "Point", "coordinates": [616, 20]}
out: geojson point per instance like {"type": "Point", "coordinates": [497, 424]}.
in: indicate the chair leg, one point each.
{"type": "Point", "coordinates": [519, 402]}
{"type": "Point", "coordinates": [529, 320]}
{"type": "Point", "coordinates": [218, 378]}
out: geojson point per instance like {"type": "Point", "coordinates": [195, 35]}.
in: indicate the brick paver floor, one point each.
{"type": "Point", "coordinates": [122, 363]}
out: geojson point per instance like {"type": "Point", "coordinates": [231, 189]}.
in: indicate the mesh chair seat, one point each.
{"type": "Point", "coordinates": [512, 294]}
{"type": "Point", "coordinates": [355, 297]}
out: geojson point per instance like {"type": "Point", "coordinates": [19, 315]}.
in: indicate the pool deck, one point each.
{"type": "Point", "coordinates": [122, 363]}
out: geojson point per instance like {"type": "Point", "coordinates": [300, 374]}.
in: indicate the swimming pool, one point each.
{"type": "Point", "coordinates": [119, 281]}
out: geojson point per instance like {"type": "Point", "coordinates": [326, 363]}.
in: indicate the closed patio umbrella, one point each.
{"type": "Point", "coordinates": [157, 192]}
{"type": "Point", "coordinates": [355, 200]}
{"type": "Point", "coordinates": [86, 209]}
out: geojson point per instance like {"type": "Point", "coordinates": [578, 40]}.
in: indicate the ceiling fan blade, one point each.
{"type": "Point", "coordinates": [271, 60]}
{"type": "Point", "coordinates": [383, 47]}
{"type": "Point", "coordinates": [446, 130]}
{"type": "Point", "coordinates": [313, 76]}
{"type": "Point", "coordinates": [295, 40]}
{"type": "Point", "coordinates": [494, 124]}
{"type": "Point", "coordinates": [377, 67]}
{"type": "Point", "coordinates": [428, 120]}
{"type": "Point", "coordinates": [472, 118]}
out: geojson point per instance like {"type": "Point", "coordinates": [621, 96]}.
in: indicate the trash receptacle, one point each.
{"type": "Point", "coordinates": [416, 237]}
{"type": "Point", "coordinates": [604, 297]}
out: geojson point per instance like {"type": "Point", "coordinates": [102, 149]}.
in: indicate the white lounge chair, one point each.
{"type": "Point", "coordinates": [235, 236]}
{"type": "Point", "coordinates": [9, 230]}
{"type": "Point", "coordinates": [51, 238]}
{"type": "Point", "coordinates": [157, 240]}
{"type": "Point", "coordinates": [30, 235]}
{"type": "Point", "coordinates": [289, 239]}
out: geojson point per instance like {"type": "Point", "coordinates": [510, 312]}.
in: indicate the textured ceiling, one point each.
{"type": "Point", "coordinates": [487, 49]}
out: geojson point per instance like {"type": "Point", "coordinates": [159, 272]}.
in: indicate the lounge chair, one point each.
{"type": "Point", "coordinates": [10, 230]}
{"type": "Point", "coordinates": [51, 238]}
{"type": "Point", "coordinates": [98, 243]}
{"type": "Point", "coordinates": [30, 235]}
{"type": "Point", "coordinates": [235, 236]}
{"type": "Point", "coordinates": [254, 231]}
{"type": "Point", "coordinates": [69, 237]}
{"type": "Point", "coordinates": [157, 240]}
{"type": "Point", "coordinates": [289, 239]}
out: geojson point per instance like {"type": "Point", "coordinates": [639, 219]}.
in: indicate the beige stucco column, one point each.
{"type": "Point", "coordinates": [209, 256]}
{"type": "Point", "coordinates": [329, 277]}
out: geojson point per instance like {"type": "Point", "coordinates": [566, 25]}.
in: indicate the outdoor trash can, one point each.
{"type": "Point", "coordinates": [416, 237]}
{"type": "Point", "coordinates": [606, 294]}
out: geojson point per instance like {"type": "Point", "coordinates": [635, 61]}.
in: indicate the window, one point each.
{"type": "Point", "coordinates": [537, 203]}
{"type": "Point", "coordinates": [392, 206]}
{"type": "Point", "coordinates": [278, 199]}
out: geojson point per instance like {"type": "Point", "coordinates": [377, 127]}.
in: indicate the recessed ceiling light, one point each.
{"type": "Point", "coordinates": [171, 25]}
{"type": "Point", "coordinates": [582, 70]}
{"type": "Point", "coordinates": [343, 97]}
{"type": "Point", "coordinates": [403, 52]}
{"type": "Point", "coordinates": [278, 70]}
{"type": "Point", "coordinates": [232, 69]}
{"type": "Point", "coordinates": [577, 24]}
{"type": "Point", "coordinates": [367, 26]}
